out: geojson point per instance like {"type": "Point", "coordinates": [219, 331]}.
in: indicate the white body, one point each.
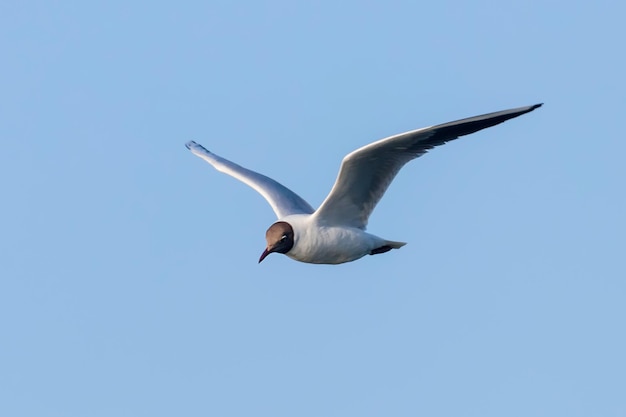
{"type": "Point", "coordinates": [320, 244]}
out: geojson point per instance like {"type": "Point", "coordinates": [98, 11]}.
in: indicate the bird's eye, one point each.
{"type": "Point", "coordinates": [283, 238]}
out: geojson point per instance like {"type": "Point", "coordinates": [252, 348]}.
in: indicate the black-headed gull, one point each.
{"type": "Point", "coordinates": [335, 232]}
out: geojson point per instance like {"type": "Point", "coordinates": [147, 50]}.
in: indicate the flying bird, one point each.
{"type": "Point", "coordinates": [335, 232]}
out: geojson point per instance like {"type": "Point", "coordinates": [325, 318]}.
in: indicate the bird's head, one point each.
{"type": "Point", "coordinates": [279, 239]}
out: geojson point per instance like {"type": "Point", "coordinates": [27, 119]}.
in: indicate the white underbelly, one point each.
{"type": "Point", "coordinates": [333, 245]}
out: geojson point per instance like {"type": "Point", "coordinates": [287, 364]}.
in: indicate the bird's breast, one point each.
{"type": "Point", "coordinates": [331, 245]}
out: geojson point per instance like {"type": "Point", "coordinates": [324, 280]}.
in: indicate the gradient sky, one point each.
{"type": "Point", "coordinates": [129, 283]}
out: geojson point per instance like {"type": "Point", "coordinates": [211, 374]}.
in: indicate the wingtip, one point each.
{"type": "Point", "coordinates": [528, 109]}
{"type": "Point", "coordinates": [194, 147]}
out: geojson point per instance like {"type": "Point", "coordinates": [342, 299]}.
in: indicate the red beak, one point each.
{"type": "Point", "coordinates": [264, 254]}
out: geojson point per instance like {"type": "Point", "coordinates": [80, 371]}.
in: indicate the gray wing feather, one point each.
{"type": "Point", "coordinates": [283, 201]}
{"type": "Point", "coordinates": [366, 173]}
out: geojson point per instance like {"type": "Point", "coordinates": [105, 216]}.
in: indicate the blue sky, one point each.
{"type": "Point", "coordinates": [129, 278]}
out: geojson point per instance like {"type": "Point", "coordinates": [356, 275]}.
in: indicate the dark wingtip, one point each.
{"type": "Point", "coordinates": [528, 109]}
{"type": "Point", "coordinates": [195, 146]}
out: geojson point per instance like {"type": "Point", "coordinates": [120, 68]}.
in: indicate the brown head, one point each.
{"type": "Point", "coordinates": [279, 239]}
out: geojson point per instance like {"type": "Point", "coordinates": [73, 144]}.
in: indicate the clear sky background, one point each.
{"type": "Point", "coordinates": [129, 283]}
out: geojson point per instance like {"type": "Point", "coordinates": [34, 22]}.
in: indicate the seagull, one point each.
{"type": "Point", "coordinates": [335, 232]}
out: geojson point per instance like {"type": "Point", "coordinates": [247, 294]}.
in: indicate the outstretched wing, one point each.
{"type": "Point", "coordinates": [366, 173]}
{"type": "Point", "coordinates": [283, 201]}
